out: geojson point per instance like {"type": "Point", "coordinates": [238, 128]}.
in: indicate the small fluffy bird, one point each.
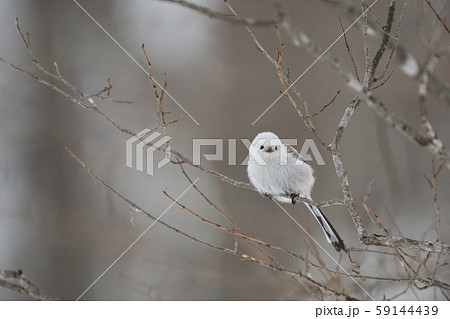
{"type": "Point", "coordinates": [278, 171]}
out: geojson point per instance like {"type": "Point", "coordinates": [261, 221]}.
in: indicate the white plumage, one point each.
{"type": "Point", "coordinates": [278, 171]}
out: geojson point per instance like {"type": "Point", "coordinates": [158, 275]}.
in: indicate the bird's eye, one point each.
{"type": "Point", "coordinates": [261, 147]}
{"type": "Point", "coordinates": [276, 148]}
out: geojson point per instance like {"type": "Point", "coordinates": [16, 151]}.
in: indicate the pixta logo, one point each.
{"type": "Point", "coordinates": [308, 145]}
{"type": "Point", "coordinates": [144, 141]}
{"type": "Point", "coordinates": [141, 148]}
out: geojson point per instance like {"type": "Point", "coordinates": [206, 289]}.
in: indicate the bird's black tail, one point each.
{"type": "Point", "coordinates": [330, 232]}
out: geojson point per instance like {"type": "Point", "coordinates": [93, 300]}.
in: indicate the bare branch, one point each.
{"type": "Point", "coordinates": [435, 146]}
{"type": "Point", "coordinates": [408, 63]}
{"type": "Point", "coordinates": [437, 16]}
{"type": "Point", "coordinates": [16, 281]}
{"type": "Point", "coordinates": [384, 42]}
{"type": "Point", "coordinates": [283, 78]}
{"type": "Point", "coordinates": [242, 256]}
{"type": "Point", "coordinates": [231, 18]}
{"type": "Point", "coordinates": [363, 93]}
{"type": "Point", "coordinates": [423, 84]}
{"type": "Point", "coordinates": [401, 242]}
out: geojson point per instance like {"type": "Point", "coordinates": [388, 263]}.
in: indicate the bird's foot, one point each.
{"type": "Point", "coordinates": [268, 195]}
{"type": "Point", "coordinates": [293, 197]}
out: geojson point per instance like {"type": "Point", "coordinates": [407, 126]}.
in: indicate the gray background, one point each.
{"type": "Point", "coordinates": [63, 229]}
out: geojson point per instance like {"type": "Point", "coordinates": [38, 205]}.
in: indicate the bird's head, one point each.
{"type": "Point", "coordinates": [266, 147]}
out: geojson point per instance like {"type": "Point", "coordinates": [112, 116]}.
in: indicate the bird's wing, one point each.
{"type": "Point", "coordinates": [292, 151]}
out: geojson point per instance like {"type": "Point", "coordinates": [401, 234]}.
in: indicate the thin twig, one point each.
{"type": "Point", "coordinates": [437, 16]}
{"type": "Point", "coordinates": [349, 51]}
{"type": "Point", "coordinates": [325, 106]}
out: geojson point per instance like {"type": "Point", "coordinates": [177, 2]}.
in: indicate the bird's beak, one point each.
{"type": "Point", "coordinates": [269, 149]}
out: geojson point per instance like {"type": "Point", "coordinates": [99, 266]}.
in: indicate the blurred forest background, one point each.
{"type": "Point", "coordinates": [63, 229]}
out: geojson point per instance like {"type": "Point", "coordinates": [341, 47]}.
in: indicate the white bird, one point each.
{"type": "Point", "coordinates": [278, 171]}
